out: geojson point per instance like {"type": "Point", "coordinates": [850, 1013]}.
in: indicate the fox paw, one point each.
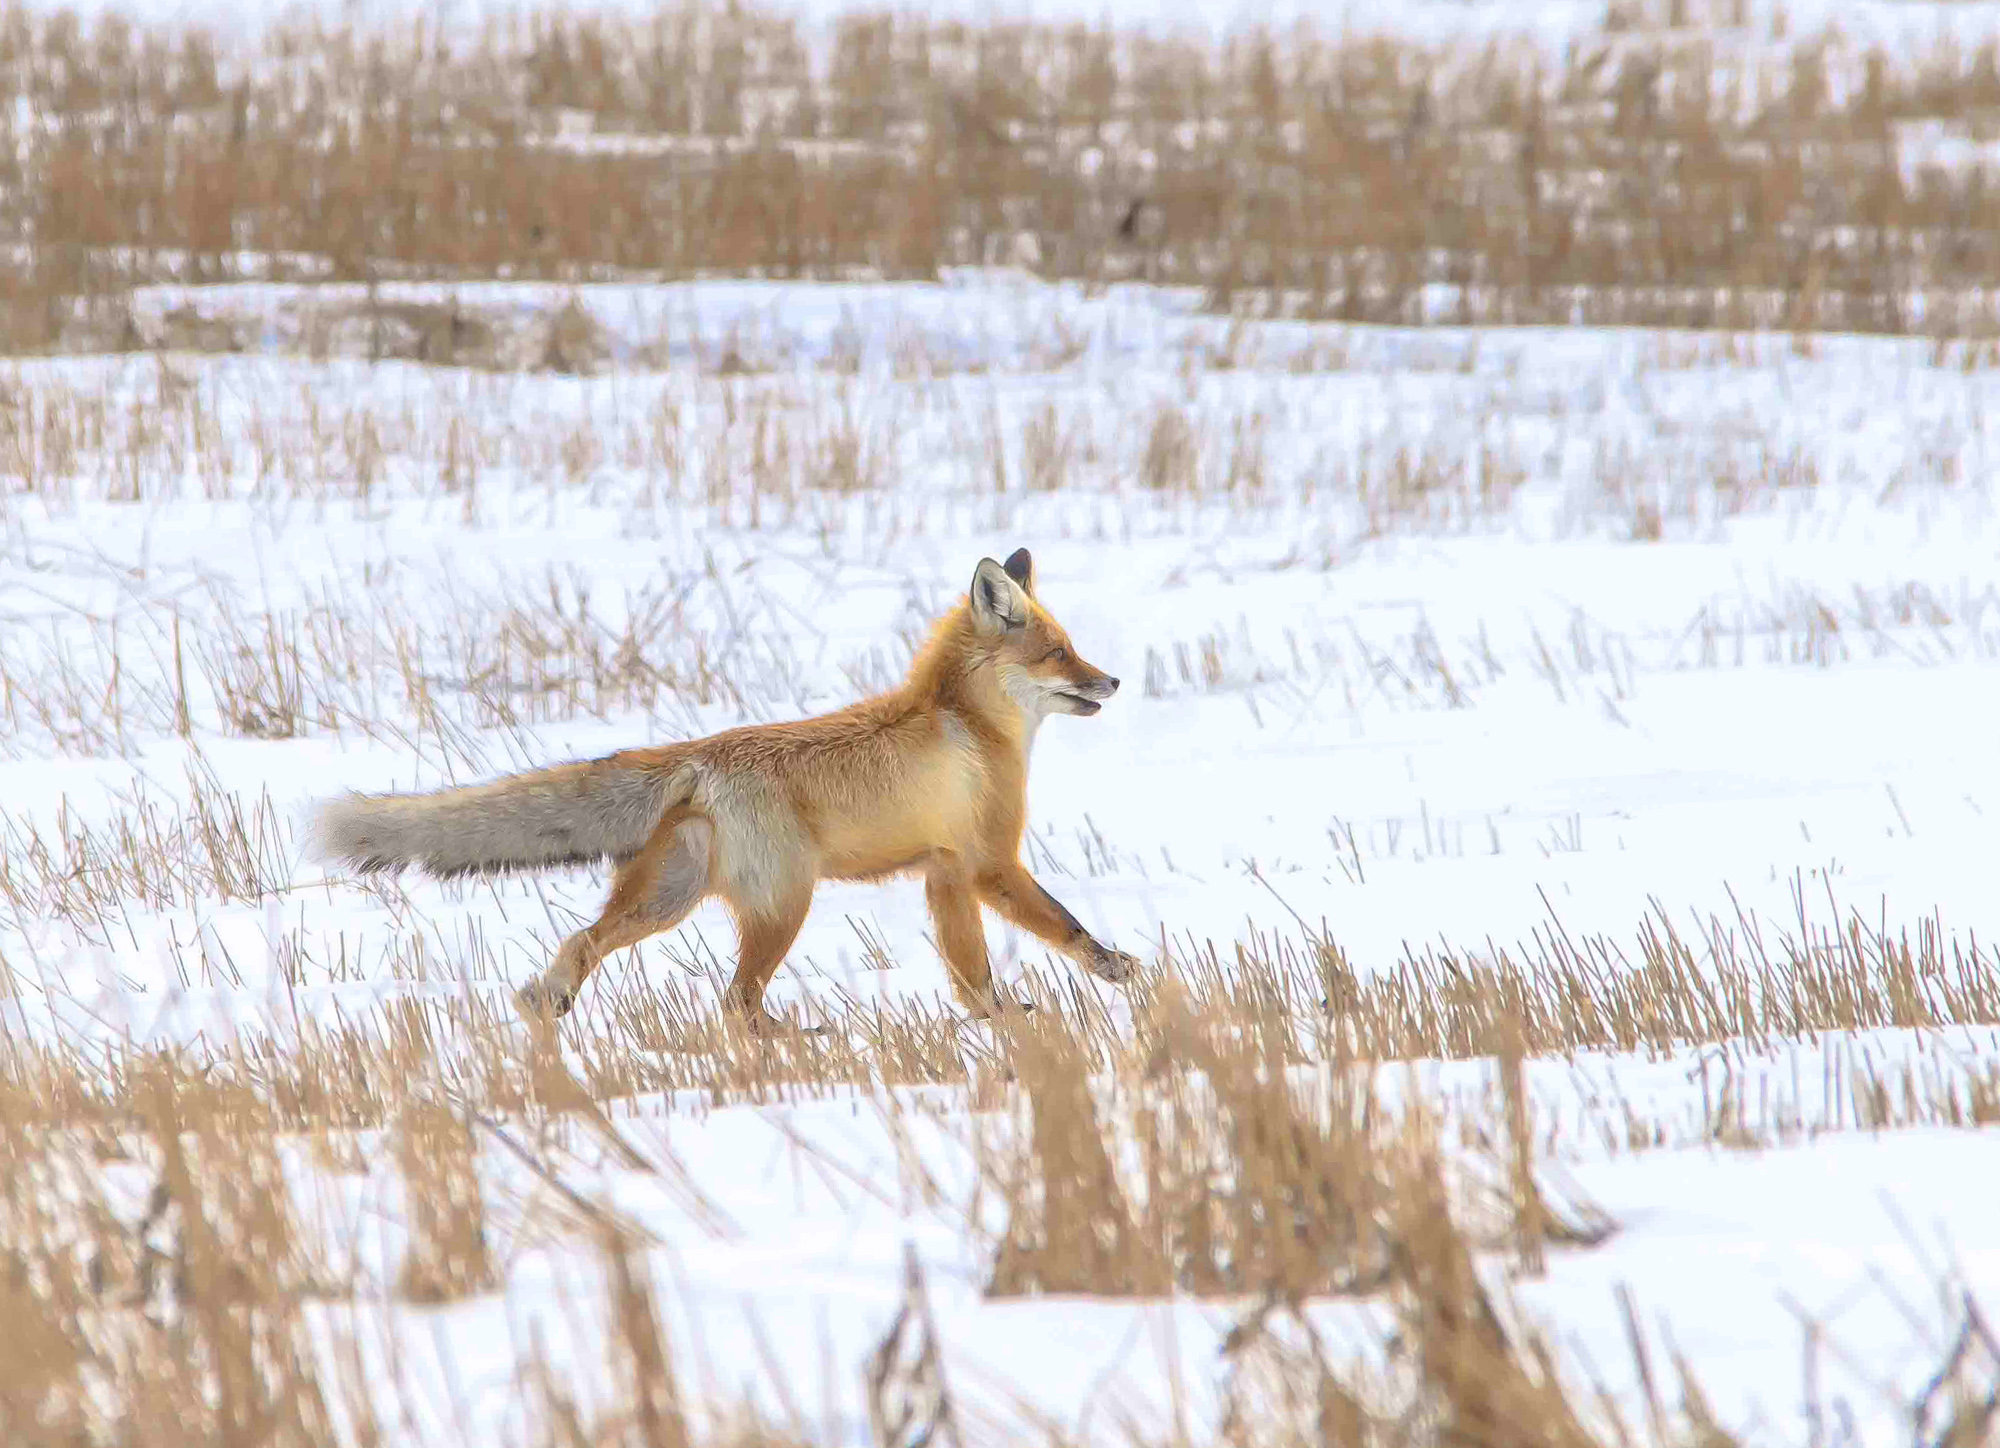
{"type": "Point", "coordinates": [760, 1022]}
{"type": "Point", "coordinates": [1114, 965]}
{"type": "Point", "coordinates": [543, 1000]}
{"type": "Point", "coordinates": [987, 1007]}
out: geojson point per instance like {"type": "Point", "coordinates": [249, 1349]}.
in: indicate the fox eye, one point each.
{"type": "Point", "coordinates": [1057, 656]}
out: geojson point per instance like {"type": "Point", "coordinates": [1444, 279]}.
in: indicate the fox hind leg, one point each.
{"type": "Point", "coordinates": [653, 891]}
{"type": "Point", "coordinates": [764, 932]}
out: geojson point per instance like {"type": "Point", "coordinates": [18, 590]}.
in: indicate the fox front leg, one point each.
{"type": "Point", "coordinates": [1020, 900]}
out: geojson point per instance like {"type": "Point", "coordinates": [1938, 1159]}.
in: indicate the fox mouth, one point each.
{"type": "Point", "coordinates": [1078, 704]}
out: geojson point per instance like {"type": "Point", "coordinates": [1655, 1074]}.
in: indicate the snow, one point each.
{"type": "Point", "coordinates": [1429, 724]}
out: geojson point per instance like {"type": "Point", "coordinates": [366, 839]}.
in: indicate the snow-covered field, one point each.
{"type": "Point", "coordinates": [1442, 648]}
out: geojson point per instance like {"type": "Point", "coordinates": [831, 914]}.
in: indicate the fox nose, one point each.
{"type": "Point", "coordinates": [1113, 682]}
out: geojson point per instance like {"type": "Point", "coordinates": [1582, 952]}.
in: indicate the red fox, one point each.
{"type": "Point", "coordinates": [929, 778]}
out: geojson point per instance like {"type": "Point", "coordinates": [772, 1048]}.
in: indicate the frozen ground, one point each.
{"type": "Point", "coordinates": [1433, 640]}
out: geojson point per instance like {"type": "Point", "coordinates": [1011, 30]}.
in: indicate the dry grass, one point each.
{"type": "Point", "coordinates": [1242, 1184]}
{"type": "Point", "coordinates": [447, 1257]}
{"type": "Point", "coordinates": [167, 1210]}
{"type": "Point", "coordinates": [1679, 165]}
{"type": "Point", "coordinates": [180, 1241]}
{"type": "Point", "coordinates": [451, 671]}
{"type": "Point", "coordinates": [851, 461]}
{"type": "Point", "coordinates": [1295, 1001]}
{"type": "Point", "coordinates": [440, 677]}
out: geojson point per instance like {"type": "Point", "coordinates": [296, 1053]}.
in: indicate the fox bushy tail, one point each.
{"type": "Point", "coordinates": [571, 814]}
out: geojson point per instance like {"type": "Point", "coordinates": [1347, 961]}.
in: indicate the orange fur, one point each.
{"type": "Point", "coordinates": [930, 777]}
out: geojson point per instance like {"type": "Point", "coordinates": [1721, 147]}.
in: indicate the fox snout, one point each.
{"type": "Point", "coordinates": [1087, 696]}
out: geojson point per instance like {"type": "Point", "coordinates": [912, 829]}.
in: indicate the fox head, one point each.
{"type": "Point", "coordinates": [1039, 668]}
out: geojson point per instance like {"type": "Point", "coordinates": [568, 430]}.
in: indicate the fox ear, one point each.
{"type": "Point", "coordinates": [998, 604]}
{"type": "Point", "coordinates": [1021, 568]}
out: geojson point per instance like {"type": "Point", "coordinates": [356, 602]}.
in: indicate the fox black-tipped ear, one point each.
{"type": "Point", "coordinates": [998, 602]}
{"type": "Point", "coordinates": [1021, 568]}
